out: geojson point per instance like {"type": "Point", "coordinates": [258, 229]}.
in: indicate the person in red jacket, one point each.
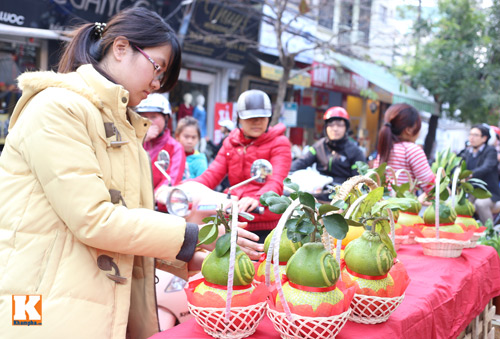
{"type": "Point", "coordinates": [157, 109]}
{"type": "Point", "coordinates": [254, 139]}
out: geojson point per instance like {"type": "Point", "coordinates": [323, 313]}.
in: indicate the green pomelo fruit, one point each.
{"type": "Point", "coordinates": [368, 255]}
{"type": "Point", "coordinates": [215, 269]}
{"type": "Point", "coordinates": [451, 228]}
{"type": "Point", "coordinates": [430, 216]}
{"type": "Point", "coordinates": [261, 271]}
{"type": "Point", "coordinates": [287, 247]}
{"type": "Point", "coordinates": [466, 208]}
{"type": "Point", "coordinates": [406, 219]}
{"type": "Point", "coordinates": [467, 222]}
{"type": "Point", "coordinates": [313, 266]}
{"type": "Point", "coordinates": [414, 208]}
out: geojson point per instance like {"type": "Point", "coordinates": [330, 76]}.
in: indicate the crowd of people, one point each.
{"type": "Point", "coordinates": [77, 191]}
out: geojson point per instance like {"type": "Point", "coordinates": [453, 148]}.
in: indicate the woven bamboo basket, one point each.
{"type": "Point", "coordinates": [373, 310]}
{"type": "Point", "coordinates": [243, 321]}
{"type": "Point", "coordinates": [294, 326]}
{"type": "Point", "coordinates": [474, 239]}
{"type": "Point", "coordinates": [229, 322]}
{"type": "Point", "coordinates": [307, 327]}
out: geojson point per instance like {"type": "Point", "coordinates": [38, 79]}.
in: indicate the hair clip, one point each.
{"type": "Point", "coordinates": [99, 28]}
{"type": "Point", "coordinates": [388, 124]}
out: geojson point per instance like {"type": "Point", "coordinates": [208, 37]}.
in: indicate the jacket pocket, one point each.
{"type": "Point", "coordinates": [50, 263]}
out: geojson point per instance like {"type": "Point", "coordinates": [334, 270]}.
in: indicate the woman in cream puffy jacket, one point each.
{"type": "Point", "coordinates": [76, 221]}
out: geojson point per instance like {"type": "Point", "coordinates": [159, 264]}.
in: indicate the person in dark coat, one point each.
{"type": "Point", "coordinates": [334, 154]}
{"type": "Point", "coordinates": [482, 160]}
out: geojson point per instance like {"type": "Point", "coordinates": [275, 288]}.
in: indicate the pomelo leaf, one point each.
{"type": "Point", "coordinates": [307, 199]}
{"type": "Point", "coordinates": [336, 225]}
{"type": "Point", "coordinates": [468, 187]}
{"type": "Point", "coordinates": [444, 210]}
{"type": "Point", "coordinates": [264, 197]}
{"type": "Point", "coordinates": [325, 208]}
{"type": "Point", "coordinates": [293, 186]}
{"type": "Point", "coordinates": [481, 193]}
{"type": "Point", "coordinates": [209, 219]}
{"type": "Point", "coordinates": [387, 241]}
{"type": "Point", "coordinates": [291, 225]}
{"type": "Point", "coordinates": [296, 237]}
{"type": "Point", "coordinates": [208, 234]}
{"type": "Point", "coordinates": [278, 205]}
{"type": "Point", "coordinates": [392, 204]}
{"type": "Point", "coordinates": [223, 244]}
{"type": "Point", "coordinates": [464, 174]}
{"type": "Point", "coordinates": [305, 227]}
{"type": "Point", "coordinates": [371, 199]}
{"type": "Point", "coordinates": [351, 222]}
{"type": "Point", "coordinates": [246, 215]}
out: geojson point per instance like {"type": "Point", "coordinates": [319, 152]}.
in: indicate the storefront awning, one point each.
{"type": "Point", "coordinates": [31, 32]}
{"type": "Point", "coordinates": [273, 72]}
{"type": "Point", "coordinates": [380, 77]}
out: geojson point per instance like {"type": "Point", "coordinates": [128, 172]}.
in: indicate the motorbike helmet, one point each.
{"type": "Point", "coordinates": [337, 112]}
{"type": "Point", "coordinates": [155, 102]}
{"type": "Point", "coordinates": [496, 129]}
{"type": "Point", "coordinates": [227, 124]}
{"type": "Point", "coordinates": [254, 103]}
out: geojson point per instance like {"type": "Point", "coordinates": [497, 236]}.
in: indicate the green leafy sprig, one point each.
{"type": "Point", "coordinates": [210, 232]}
{"type": "Point", "coordinates": [310, 217]}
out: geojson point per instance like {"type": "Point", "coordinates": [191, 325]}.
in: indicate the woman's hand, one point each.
{"type": "Point", "coordinates": [248, 243]}
{"type": "Point", "coordinates": [195, 263]}
{"type": "Point", "coordinates": [246, 240]}
{"type": "Point", "coordinates": [247, 204]}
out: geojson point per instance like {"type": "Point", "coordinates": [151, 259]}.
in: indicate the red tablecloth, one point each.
{"type": "Point", "coordinates": [444, 295]}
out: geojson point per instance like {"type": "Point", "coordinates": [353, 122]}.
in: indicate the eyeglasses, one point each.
{"type": "Point", "coordinates": [157, 68]}
{"type": "Point", "coordinates": [475, 134]}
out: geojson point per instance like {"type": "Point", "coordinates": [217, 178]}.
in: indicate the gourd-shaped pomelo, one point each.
{"type": "Point", "coordinates": [430, 216]}
{"type": "Point", "coordinates": [414, 207]}
{"type": "Point", "coordinates": [368, 255]}
{"type": "Point", "coordinates": [287, 247]}
{"type": "Point", "coordinates": [215, 269]}
{"type": "Point", "coordinates": [465, 211]}
{"type": "Point", "coordinates": [313, 266]}
{"type": "Point", "coordinates": [465, 208]}
{"type": "Point", "coordinates": [406, 219]}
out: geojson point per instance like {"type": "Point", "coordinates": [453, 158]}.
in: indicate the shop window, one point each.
{"type": "Point", "coordinates": [365, 10]}
{"type": "Point", "coordinates": [326, 14]}
{"type": "Point", "coordinates": [346, 20]}
{"type": "Point", "coordinates": [179, 93]}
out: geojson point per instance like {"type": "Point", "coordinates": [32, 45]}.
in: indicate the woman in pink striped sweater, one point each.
{"type": "Point", "coordinates": [396, 146]}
